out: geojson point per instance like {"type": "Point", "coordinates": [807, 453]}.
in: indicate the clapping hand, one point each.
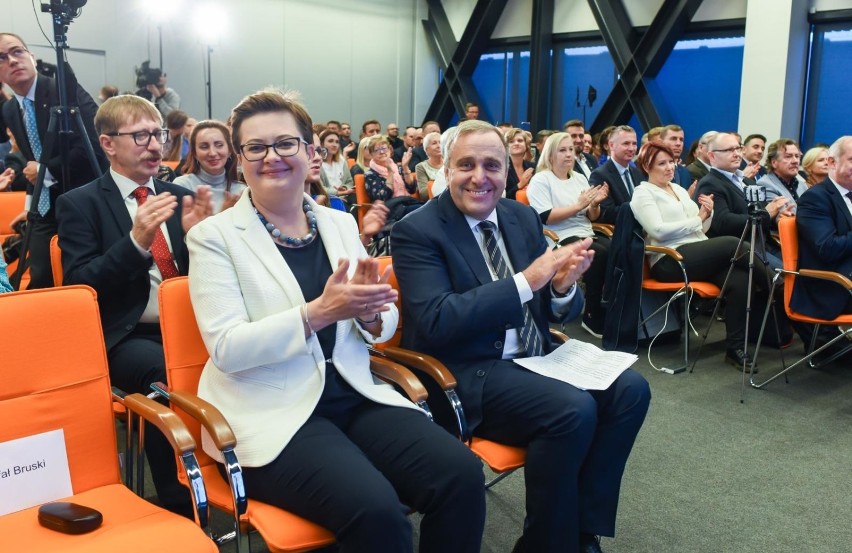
{"type": "Point", "coordinates": [198, 208]}
{"type": "Point", "coordinates": [576, 259]}
{"type": "Point", "coordinates": [364, 295]}
{"type": "Point", "coordinates": [705, 201]}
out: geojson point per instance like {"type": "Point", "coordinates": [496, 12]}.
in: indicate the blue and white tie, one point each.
{"type": "Point", "coordinates": [35, 145]}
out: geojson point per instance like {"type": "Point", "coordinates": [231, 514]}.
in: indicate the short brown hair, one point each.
{"type": "Point", "coordinates": [271, 100]}
{"type": "Point", "coordinates": [649, 152]}
{"type": "Point", "coordinates": [124, 108]}
{"type": "Point", "coordinates": [573, 123]}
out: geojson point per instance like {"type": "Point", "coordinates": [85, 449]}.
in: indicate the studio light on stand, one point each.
{"type": "Point", "coordinates": [209, 25]}
{"type": "Point", "coordinates": [160, 11]}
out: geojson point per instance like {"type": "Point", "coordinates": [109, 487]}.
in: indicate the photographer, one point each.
{"type": "Point", "coordinates": [151, 82]}
{"type": "Point", "coordinates": [27, 116]}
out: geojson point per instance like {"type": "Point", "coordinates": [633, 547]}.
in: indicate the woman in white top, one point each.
{"type": "Point", "coordinates": [211, 160]}
{"type": "Point", "coordinates": [334, 167]}
{"type": "Point", "coordinates": [670, 218]}
{"type": "Point", "coordinates": [428, 170]}
{"type": "Point", "coordinates": [567, 205]}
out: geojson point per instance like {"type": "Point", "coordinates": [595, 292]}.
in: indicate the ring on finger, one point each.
{"type": "Point", "coordinates": [366, 307]}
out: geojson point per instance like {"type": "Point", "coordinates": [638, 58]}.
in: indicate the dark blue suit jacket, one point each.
{"type": "Point", "coordinates": [618, 195]}
{"type": "Point", "coordinates": [451, 308]}
{"type": "Point", "coordinates": [94, 234]}
{"type": "Point", "coordinates": [683, 177]}
{"type": "Point", "coordinates": [825, 243]}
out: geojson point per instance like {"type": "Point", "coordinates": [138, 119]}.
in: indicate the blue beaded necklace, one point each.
{"type": "Point", "coordinates": [288, 240]}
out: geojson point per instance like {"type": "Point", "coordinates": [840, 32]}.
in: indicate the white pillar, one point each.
{"type": "Point", "coordinates": [774, 59]}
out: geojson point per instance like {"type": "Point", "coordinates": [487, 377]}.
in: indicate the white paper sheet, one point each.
{"type": "Point", "coordinates": [581, 364]}
{"type": "Point", "coordinates": [33, 470]}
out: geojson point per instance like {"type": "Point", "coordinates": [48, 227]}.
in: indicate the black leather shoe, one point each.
{"type": "Point", "coordinates": [737, 357]}
{"type": "Point", "coordinates": [590, 543]}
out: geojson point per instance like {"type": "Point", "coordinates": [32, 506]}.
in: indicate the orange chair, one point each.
{"type": "Point", "coordinates": [362, 200]}
{"type": "Point", "coordinates": [678, 289]}
{"type": "Point", "coordinates": [56, 260]}
{"type": "Point", "coordinates": [500, 458]}
{"type": "Point", "coordinates": [350, 161]}
{"type": "Point", "coordinates": [429, 188]}
{"type": "Point", "coordinates": [790, 254]}
{"type": "Point", "coordinates": [60, 381]}
{"type": "Point", "coordinates": [11, 205]}
{"type": "Point", "coordinates": [186, 356]}
{"type": "Point", "coordinates": [521, 196]}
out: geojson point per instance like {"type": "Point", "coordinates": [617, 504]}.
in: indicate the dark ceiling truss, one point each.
{"type": "Point", "coordinates": [458, 59]}
{"type": "Point", "coordinates": [637, 59]}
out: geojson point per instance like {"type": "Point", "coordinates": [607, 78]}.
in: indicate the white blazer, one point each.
{"type": "Point", "coordinates": [263, 374]}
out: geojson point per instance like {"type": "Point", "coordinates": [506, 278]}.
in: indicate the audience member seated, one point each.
{"type": "Point", "coordinates": [212, 162]}
{"type": "Point", "coordinates": [369, 129]}
{"type": "Point", "coordinates": [815, 164]}
{"type": "Point", "coordinates": [408, 144]}
{"type": "Point", "coordinates": [521, 167]}
{"type": "Point", "coordinates": [700, 166]}
{"type": "Point", "coordinates": [392, 132]}
{"type": "Point", "coordinates": [177, 145]}
{"type": "Point", "coordinates": [726, 184]}
{"type": "Point", "coordinates": [583, 163]}
{"type": "Point", "coordinates": [782, 172]}
{"type": "Point", "coordinates": [618, 172]}
{"type": "Point", "coordinates": [107, 92]}
{"type": "Point", "coordinates": [427, 170]}
{"type": "Point", "coordinates": [752, 163]}
{"type": "Point", "coordinates": [440, 184]}
{"type": "Point", "coordinates": [588, 144]}
{"type": "Point", "coordinates": [315, 183]}
{"type": "Point", "coordinates": [673, 137]}
{"type": "Point", "coordinates": [670, 218]}
{"type": "Point", "coordinates": [603, 145]}
{"type": "Point", "coordinates": [478, 286]}
{"type": "Point", "coordinates": [338, 179]}
{"type": "Point", "coordinates": [123, 234]}
{"type": "Point", "coordinates": [289, 368]}
{"type": "Point", "coordinates": [540, 139]}
{"type": "Point", "coordinates": [824, 224]}
{"type": "Point", "coordinates": [567, 204]}
{"type": "Point", "coordinates": [345, 138]}
{"type": "Point", "coordinates": [418, 154]}
{"type": "Point", "coordinates": [362, 161]}
{"type": "Point", "coordinates": [5, 286]}
{"type": "Point", "coordinates": [384, 179]}
{"type": "Point", "coordinates": [15, 162]}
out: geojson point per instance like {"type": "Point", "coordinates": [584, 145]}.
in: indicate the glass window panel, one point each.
{"type": "Point", "coordinates": [577, 69]}
{"type": "Point", "coordinates": [489, 78]}
{"type": "Point", "coordinates": [828, 108]}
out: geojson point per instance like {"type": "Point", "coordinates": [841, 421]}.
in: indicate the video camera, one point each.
{"type": "Point", "coordinates": [147, 75]}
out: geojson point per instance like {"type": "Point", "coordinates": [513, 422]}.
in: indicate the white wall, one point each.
{"type": "Point", "coordinates": [352, 60]}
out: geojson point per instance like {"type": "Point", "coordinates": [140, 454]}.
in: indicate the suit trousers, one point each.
{"type": "Point", "coordinates": [595, 276]}
{"type": "Point", "coordinates": [358, 474]}
{"type": "Point", "coordinates": [134, 364]}
{"type": "Point", "coordinates": [710, 260]}
{"type": "Point", "coordinates": [577, 445]}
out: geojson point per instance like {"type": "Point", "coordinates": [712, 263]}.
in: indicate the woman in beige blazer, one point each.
{"type": "Point", "coordinates": [285, 298]}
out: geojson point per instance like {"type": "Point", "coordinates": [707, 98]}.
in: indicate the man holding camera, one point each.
{"type": "Point", "coordinates": [152, 86]}
{"type": "Point", "coordinates": [27, 116]}
{"type": "Point", "coordinates": [726, 182]}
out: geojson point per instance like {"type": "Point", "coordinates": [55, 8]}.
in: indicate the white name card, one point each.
{"type": "Point", "coordinates": [33, 470]}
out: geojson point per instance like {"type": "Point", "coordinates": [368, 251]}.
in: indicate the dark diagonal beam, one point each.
{"type": "Point", "coordinates": [541, 65]}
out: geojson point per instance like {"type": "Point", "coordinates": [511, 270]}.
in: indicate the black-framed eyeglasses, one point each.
{"type": "Point", "coordinates": [737, 149]}
{"type": "Point", "coordinates": [286, 147]}
{"type": "Point", "coordinates": [143, 138]}
{"type": "Point", "coordinates": [323, 152]}
{"type": "Point", "coordinates": [18, 52]}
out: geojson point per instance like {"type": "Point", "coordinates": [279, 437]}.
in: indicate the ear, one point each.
{"type": "Point", "coordinates": [106, 144]}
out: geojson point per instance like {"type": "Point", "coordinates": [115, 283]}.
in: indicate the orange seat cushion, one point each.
{"type": "Point", "coordinates": [498, 457]}
{"type": "Point", "coordinates": [130, 524]}
{"type": "Point", "coordinates": [703, 289]}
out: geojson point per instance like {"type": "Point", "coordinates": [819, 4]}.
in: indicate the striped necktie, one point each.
{"type": "Point", "coordinates": [529, 333]}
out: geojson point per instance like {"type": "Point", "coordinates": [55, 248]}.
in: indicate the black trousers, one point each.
{"type": "Point", "coordinates": [709, 260]}
{"type": "Point", "coordinates": [359, 475]}
{"type": "Point", "coordinates": [134, 364]}
{"type": "Point", "coordinates": [595, 275]}
{"type": "Point", "coordinates": [41, 230]}
{"type": "Point", "coordinates": [577, 445]}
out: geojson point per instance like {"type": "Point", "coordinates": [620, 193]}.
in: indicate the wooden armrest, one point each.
{"type": "Point", "coordinates": [558, 336]}
{"type": "Point", "coordinates": [552, 235]}
{"type": "Point", "coordinates": [604, 228]}
{"type": "Point", "coordinates": [163, 418]}
{"type": "Point", "coordinates": [671, 252]}
{"type": "Point", "coordinates": [394, 373]}
{"type": "Point", "coordinates": [209, 416]}
{"type": "Point", "coordinates": [827, 275]}
{"type": "Point", "coordinates": [426, 363]}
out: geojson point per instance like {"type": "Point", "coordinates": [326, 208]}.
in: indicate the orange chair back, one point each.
{"type": "Point", "coordinates": [59, 380]}
{"type": "Point", "coordinates": [429, 188]}
{"type": "Point", "coordinates": [183, 348]}
{"type": "Point", "coordinates": [361, 197]}
{"type": "Point", "coordinates": [521, 196]}
{"type": "Point", "coordinates": [790, 255]}
{"type": "Point", "coordinates": [56, 260]}
{"type": "Point", "coordinates": [387, 261]}
{"type": "Point", "coordinates": [11, 204]}
{"type": "Point", "coordinates": [350, 162]}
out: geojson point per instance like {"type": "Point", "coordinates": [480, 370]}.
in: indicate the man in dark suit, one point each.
{"type": "Point", "coordinates": [753, 148]}
{"type": "Point", "coordinates": [122, 234]}
{"type": "Point", "coordinates": [585, 163]}
{"type": "Point", "coordinates": [673, 137]}
{"type": "Point", "coordinates": [726, 183]}
{"type": "Point", "coordinates": [824, 224]}
{"type": "Point", "coordinates": [701, 165]}
{"type": "Point", "coordinates": [27, 115]}
{"type": "Point", "coordinates": [478, 286]}
{"type": "Point", "coordinates": [621, 176]}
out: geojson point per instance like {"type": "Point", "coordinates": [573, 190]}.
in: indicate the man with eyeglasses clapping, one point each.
{"type": "Point", "coordinates": [123, 234]}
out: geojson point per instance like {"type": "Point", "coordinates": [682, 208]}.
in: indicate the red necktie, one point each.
{"type": "Point", "coordinates": [159, 249]}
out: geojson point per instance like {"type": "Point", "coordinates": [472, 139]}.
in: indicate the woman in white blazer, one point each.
{"type": "Point", "coordinates": [285, 298]}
